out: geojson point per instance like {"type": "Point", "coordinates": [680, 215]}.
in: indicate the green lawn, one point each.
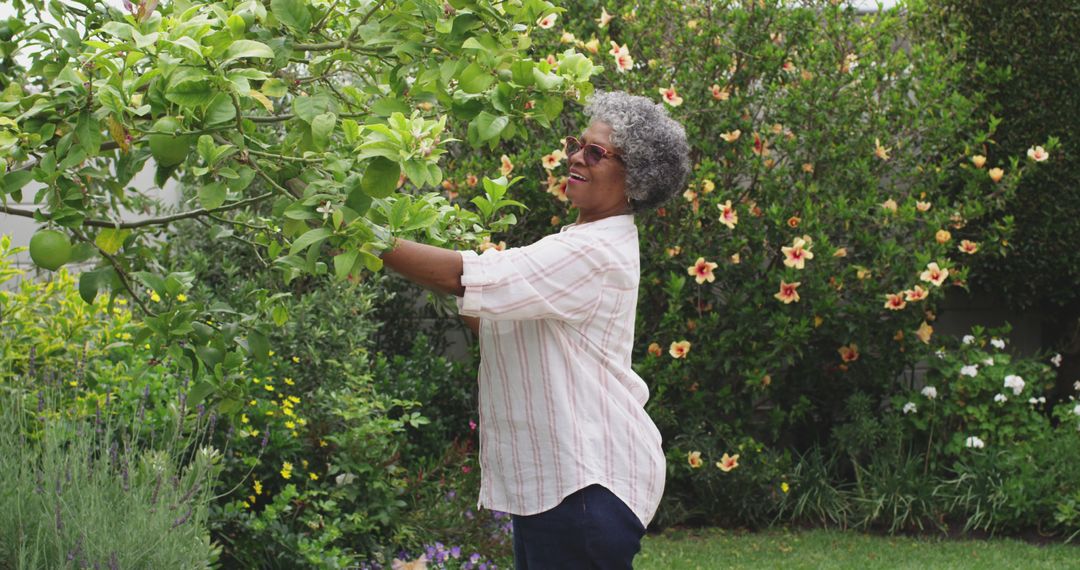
{"type": "Point", "coordinates": [707, 549]}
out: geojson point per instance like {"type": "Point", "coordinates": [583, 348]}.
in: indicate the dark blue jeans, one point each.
{"type": "Point", "coordinates": [590, 529]}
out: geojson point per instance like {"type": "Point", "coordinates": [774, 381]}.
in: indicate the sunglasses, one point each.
{"type": "Point", "coordinates": [594, 153]}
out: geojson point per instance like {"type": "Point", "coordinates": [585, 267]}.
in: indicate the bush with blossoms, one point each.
{"type": "Point", "coordinates": [822, 226]}
{"type": "Point", "coordinates": [976, 395]}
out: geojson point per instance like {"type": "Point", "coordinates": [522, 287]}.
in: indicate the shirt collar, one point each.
{"type": "Point", "coordinates": [610, 221]}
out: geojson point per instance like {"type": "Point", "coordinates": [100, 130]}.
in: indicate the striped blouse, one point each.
{"type": "Point", "coordinates": [560, 407]}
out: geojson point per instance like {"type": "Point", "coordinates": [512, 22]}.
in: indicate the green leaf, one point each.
{"type": "Point", "coordinates": [259, 346]}
{"type": "Point", "coordinates": [220, 110]}
{"type": "Point", "coordinates": [111, 239]}
{"type": "Point", "coordinates": [293, 13]}
{"type": "Point", "coordinates": [16, 179]}
{"type": "Point", "coordinates": [280, 314]}
{"type": "Point", "coordinates": [344, 264]}
{"type": "Point", "coordinates": [247, 48]}
{"type": "Point", "coordinates": [212, 195]}
{"type": "Point", "coordinates": [380, 177]}
{"type": "Point", "coordinates": [190, 92]}
{"type": "Point", "coordinates": [89, 284]}
{"type": "Point", "coordinates": [475, 79]}
{"type": "Point", "coordinates": [307, 108]}
{"type": "Point", "coordinates": [322, 127]}
{"type": "Point", "coordinates": [309, 238]}
{"type": "Point", "coordinates": [489, 126]}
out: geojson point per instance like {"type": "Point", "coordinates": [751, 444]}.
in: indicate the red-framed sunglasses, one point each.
{"type": "Point", "coordinates": [594, 153]}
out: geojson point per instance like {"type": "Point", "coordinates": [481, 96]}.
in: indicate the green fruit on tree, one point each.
{"type": "Point", "coordinates": [169, 150]}
{"type": "Point", "coordinates": [50, 249]}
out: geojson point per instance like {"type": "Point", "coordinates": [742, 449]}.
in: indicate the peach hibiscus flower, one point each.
{"type": "Point", "coordinates": [849, 353]}
{"type": "Point", "coordinates": [694, 459]}
{"type": "Point", "coordinates": [728, 216]}
{"type": "Point", "coordinates": [671, 97]}
{"type": "Point", "coordinates": [728, 462]}
{"type": "Point", "coordinates": [996, 174]}
{"type": "Point", "coordinates": [548, 21]}
{"type": "Point", "coordinates": [507, 166]}
{"type": "Point", "coordinates": [916, 293]}
{"type": "Point", "coordinates": [943, 236]}
{"type": "Point", "coordinates": [702, 270]}
{"type": "Point", "coordinates": [880, 151]}
{"type": "Point", "coordinates": [1037, 153]}
{"type": "Point", "coordinates": [552, 160]}
{"type": "Point", "coordinates": [978, 160]}
{"type": "Point", "coordinates": [924, 332]}
{"type": "Point", "coordinates": [788, 292]}
{"type": "Point", "coordinates": [968, 246]}
{"type": "Point", "coordinates": [718, 93]}
{"type": "Point", "coordinates": [655, 350]}
{"type": "Point", "coordinates": [797, 254]}
{"type": "Point", "coordinates": [934, 274]}
{"type": "Point", "coordinates": [895, 301]}
{"type": "Point", "coordinates": [679, 349]}
{"type": "Point", "coordinates": [731, 136]}
{"type": "Point", "coordinates": [604, 18]}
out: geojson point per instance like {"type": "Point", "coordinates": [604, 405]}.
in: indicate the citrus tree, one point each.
{"type": "Point", "coordinates": [310, 130]}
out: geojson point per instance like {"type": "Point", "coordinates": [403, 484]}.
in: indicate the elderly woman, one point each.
{"type": "Point", "coordinates": [565, 444]}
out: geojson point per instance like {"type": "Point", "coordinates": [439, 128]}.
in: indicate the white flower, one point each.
{"type": "Point", "coordinates": [940, 353]}
{"type": "Point", "coordinates": [910, 408]}
{"type": "Point", "coordinates": [930, 392]}
{"type": "Point", "coordinates": [345, 479]}
{"type": "Point", "coordinates": [968, 339]}
{"type": "Point", "coordinates": [1056, 360]}
{"type": "Point", "coordinates": [1042, 399]}
{"type": "Point", "coordinates": [974, 442]}
{"type": "Point", "coordinates": [989, 362]}
{"type": "Point", "coordinates": [970, 370]}
{"type": "Point", "coordinates": [998, 343]}
{"type": "Point", "coordinates": [1001, 398]}
{"type": "Point", "coordinates": [1076, 385]}
{"type": "Point", "coordinates": [1015, 382]}
{"type": "Point", "coordinates": [1033, 401]}
{"type": "Point", "coordinates": [326, 209]}
{"type": "Point", "coordinates": [1076, 410]}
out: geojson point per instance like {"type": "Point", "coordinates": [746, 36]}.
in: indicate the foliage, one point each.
{"type": "Point", "coordinates": [311, 129]}
{"type": "Point", "coordinates": [826, 147]}
{"type": "Point", "coordinates": [1012, 53]}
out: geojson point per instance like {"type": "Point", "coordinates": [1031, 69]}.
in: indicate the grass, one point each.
{"type": "Point", "coordinates": [708, 549]}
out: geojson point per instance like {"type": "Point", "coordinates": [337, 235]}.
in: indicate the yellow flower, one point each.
{"type": "Point", "coordinates": [727, 463]}
{"type": "Point", "coordinates": [880, 151]}
{"type": "Point", "coordinates": [286, 470]}
{"type": "Point", "coordinates": [181, 297]}
{"type": "Point", "coordinates": [294, 399]}
{"type": "Point", "coordinates": [289, 381]}
{"type": "Point", "coordinates": [304, 463]}
{"type": "Point", "coordinates": [252, 402]}
{"type": "Point", "coordinates": [784, 487]}
{"type": "Point", "coordinates": [270, 353]}
{"type": "Point", "coordinates": [155, 297]}
{"type": "Point", "coordinates": [73, 383]}
{"type": "Point", "coordinates": [251, 498]}
{"type": "Point", "coordinates": [707, 186]}
{"type": "Point", "coordinates": [244, 419]}
{"type": "Point", "coordinates": [694, 459]}
{"type": "Point", "coordinates": [258, 487]}
{"type": "Point", "coordinates": [269, 387]}
{"type": "Point", "coordinates": [679, 349]}
{"type": "Point", "coordinates": [322, 443]}
{"type": "Point", "coordinates": [924, 332]}
{"type": "Point", "coordinates": [313, 476]}
{"type": "Point", "coordinates": [296, 360]}
{"type": "Point", "coordinates": [290, 425]}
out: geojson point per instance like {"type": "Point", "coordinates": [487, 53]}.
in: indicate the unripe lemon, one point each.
{"type": "Point", "coordinates": [169, 150]}
{"type": "Point", "coordinates": [50, 249]}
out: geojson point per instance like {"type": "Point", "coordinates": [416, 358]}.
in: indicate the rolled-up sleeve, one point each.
{"type": "Point", "coordinates": [554, 278]}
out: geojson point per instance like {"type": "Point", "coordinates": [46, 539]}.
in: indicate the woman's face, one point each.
{"type": "Point", "coordinates": [603, 192]}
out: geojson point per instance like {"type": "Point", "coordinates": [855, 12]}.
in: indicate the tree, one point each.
{"type": "Point", "coordinates": [309, 128]}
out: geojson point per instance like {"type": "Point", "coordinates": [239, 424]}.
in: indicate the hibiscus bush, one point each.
{"type": "Point", "coordinates": [823, 225]}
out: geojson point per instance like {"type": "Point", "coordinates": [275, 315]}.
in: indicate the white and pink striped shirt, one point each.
{"type": "Point", "coordinates": [560, 407]}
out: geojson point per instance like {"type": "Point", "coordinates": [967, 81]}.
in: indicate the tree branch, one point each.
{"type": "Point", "coordinates": [119, 272]}
{"type": "Point", "coordinates": [142, 223]}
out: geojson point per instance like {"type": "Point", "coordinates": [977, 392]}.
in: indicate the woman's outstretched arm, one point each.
{"type": "Point", "coordinates": [430, 267]}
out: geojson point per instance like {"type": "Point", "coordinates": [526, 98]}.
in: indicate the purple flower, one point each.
{"type": "Point", "coordinates": [455, 552]}
{"type": "Point", "coordinates": [474, 558]}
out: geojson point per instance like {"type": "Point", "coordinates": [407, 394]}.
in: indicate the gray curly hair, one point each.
{"type": "Point", "coordinates": [652, 144]}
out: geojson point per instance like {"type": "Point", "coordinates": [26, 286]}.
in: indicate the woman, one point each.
{"type": "Point", "coordinates": [565, 444]}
